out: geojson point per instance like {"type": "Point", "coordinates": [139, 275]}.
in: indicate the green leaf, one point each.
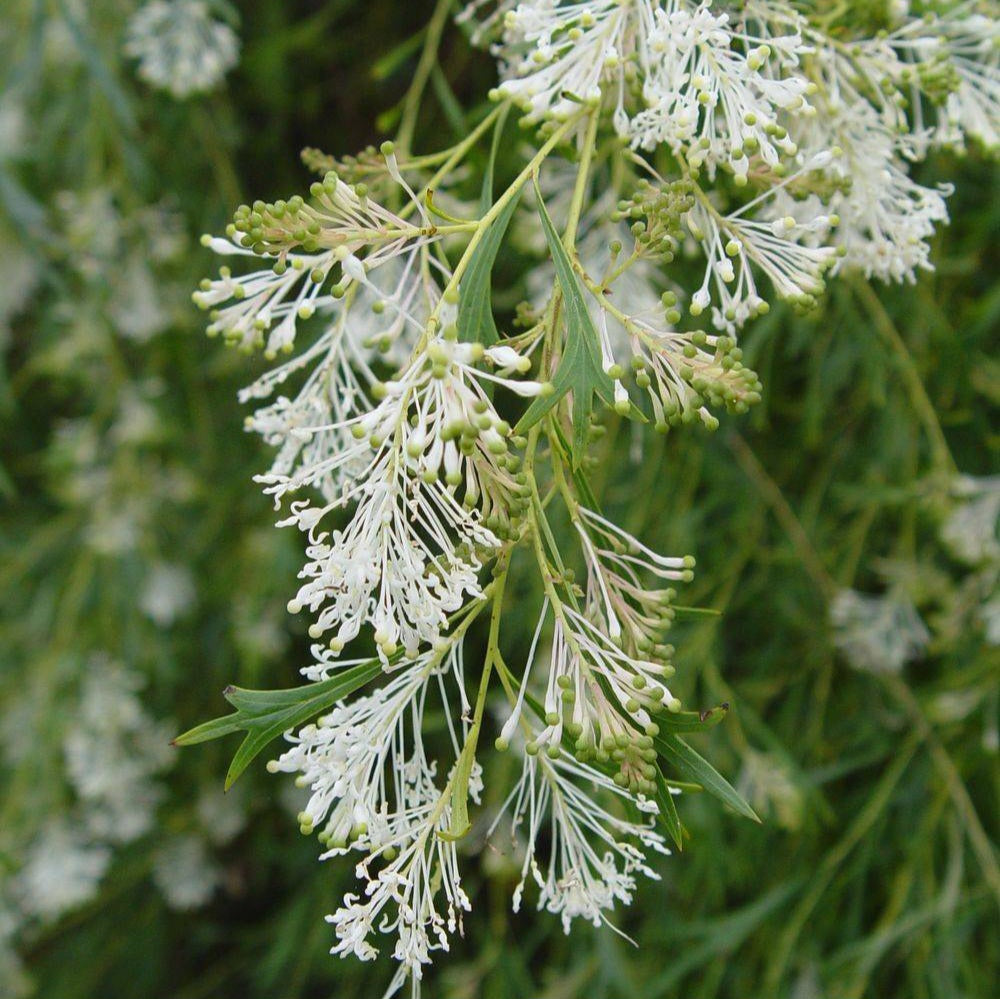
{"type": "Point", "coordinates": [450, 104]}
{"type": "Point", "coordinates": [475, 305]}
{"type": "Point", "coordinates": [691, 721]}
{"type": "Point", "coordinates": [486, 197]}
{"type": "Point", "coordinates": [683, 612]}
{"type": "Point", "coordinates": [384, 68]}
{"type": "Point", "coordinates": [668, 811]}
{"type": "Point", "coordinates": [580, 480]}
{"type": "Point", "coordinates": [266, 714]}
{"type": "Point", "coordinates": [580, 370]}
{"type": "Point", "coordinates": [460, 824]}
{"type": "Point", "coordinates": [689, 764]}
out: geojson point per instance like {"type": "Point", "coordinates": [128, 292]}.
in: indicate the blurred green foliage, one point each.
{"type": "Point", "coordinates": [875, 872]}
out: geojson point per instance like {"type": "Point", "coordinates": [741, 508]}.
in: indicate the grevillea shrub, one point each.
{"type": "Point", "coordinates": [683, 167]}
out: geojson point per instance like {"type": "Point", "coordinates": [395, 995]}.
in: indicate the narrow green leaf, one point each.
{"type": "Point", "coordinates": [692, 721]}
{"type": "Point", "coordinates": [486, 197]}
{"type": "Point", "coordinates": [206, 731]}
{"type": "Point", "coordinates": [450, 104]}
{"type": "Point", "coordinates": [475, 305]}
{"type": "Point", "coordinates": [668, 811]}
{"type": "Point", "coordinates": [388, 64]}
{"type": "Point", "coordinates": [460, 824]}
{"type": "Point", "coordinates": [689, 764]}
{"type": "Point", "coordinates": [696, 611]}
{"type": "Point", "coordinates": [581, 481]}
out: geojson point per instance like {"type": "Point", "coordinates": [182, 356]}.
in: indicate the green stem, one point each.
{"type": "Point", "coordinates": [428, 56]}
{"type": "Point", "coordinates": [940, 452]}
{"type": "Point", "coordinates": [582, 176]}
{"type": "Point", "coordinates": [484, 223]}
{"type": "Point", "coordinates": [459, 783]}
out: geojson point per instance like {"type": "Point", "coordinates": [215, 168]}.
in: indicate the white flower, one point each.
{"type": "Point", "coordinates": [307, 243]}
{"type": "Point", "coordinates": [365, 761]}
{"type": "Point", "coordinates": [377, 322]}
{"type": "Point", "coordinates": [21, 278]}
{"type": "Point", "coordinates": [90, 229]}
{"type": "Point", "coordinates": [767, 783]}
{"type": "Point", "coordinates": [884, 217]}
{"type": "Point", "coordinates": [13, 126]}
{"type": "Point", "coordinates": [168, 594]}
{"type": "Point", "coordinates": [181, 48]}
{"type": "Point", "coordinates": [135, 307]}
{"type": "Point", "coordinates": [555, 54]}
{"type": "Point", "coordinates": [486, 18]}
{"type": "Point", "coordinates": [628, 611]}
{"type": "Point", "coordinates": [421, 889]}
{"type": "Point", "coordinates": [954, 59]}
{"type": "Point", "coordinates": [712, 93]}
{"type": "Point", "coordinates": [989, 615]}
{"type": "Point", "coordinates": [970, 530]}
{"type": "Point", "coordinates": [587, 863]}
{"type": "Point", "coordinates": [877, 634]}
{"type": "Point", "coordinates": [373, 789]}
{"type": "Point", "coordinates": [782, 248]}
{"type": "Point", "coordinates": [606, 668]}
{"type": "Point", "coordinates": [184, 872]}
{"type": "Point", "coordinates": [113, 750]}
{"type": "Point", "coordinates": [413, 547]}
{"type": "Point", "coordinates": [222, 815]}
{"type": "Point", "coordinates": [62, 870]}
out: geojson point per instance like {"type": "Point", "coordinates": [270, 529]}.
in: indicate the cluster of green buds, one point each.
{"type": "Point", "coordinates": [629, 750]}
{"type": "Point", "coordinates": [654, 214]}
{"type": "Point", "coordinates": [685, 374]}
{"type": "Point", "coordinates": [937, 78]}
{"type": "Point", "coordinates": [342, 215]}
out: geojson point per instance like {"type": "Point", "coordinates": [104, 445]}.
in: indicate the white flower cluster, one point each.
{"type": "Point", "coordinates": [113, 752]}
{"type": "Point", "coordinates": [181, 48]}
{"type": "Point", "coordinates": [823, 131]}
{"type": "Point", "coordinates": [745, 133]}
{"type": "Point", "coordinates": [877, 634]}
{"type": "Point", "coordinates": [881, 634]}
{"type": "Point", "coordinates": [394, 462]}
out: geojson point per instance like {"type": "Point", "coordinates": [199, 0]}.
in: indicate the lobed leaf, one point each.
{"type": "Point", "coordinates": [266, 714]}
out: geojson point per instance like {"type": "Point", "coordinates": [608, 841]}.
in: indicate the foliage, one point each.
{"type": "Point", "coordinates": [140, 572]}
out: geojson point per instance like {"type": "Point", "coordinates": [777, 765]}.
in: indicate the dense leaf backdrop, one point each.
{"type": "Point", "coordinates": [140, 573]}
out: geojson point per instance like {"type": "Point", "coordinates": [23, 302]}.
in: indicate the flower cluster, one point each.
{"type": "Point", "coordinates": [759, 91]}
{"type": "Point", "coordinates": [181, 48]}
{"type": "Point", "coordinates": [417, 445]}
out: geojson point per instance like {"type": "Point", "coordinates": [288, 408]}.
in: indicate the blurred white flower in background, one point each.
{"type": "Point", "coordinates": [136, 308]}
{"type": "Point", "coordinates": [877, 634]}
{"type": "Point", "coordinates": [184, 872]}
{"type": "Point", "coordinates": [970, 530]}
{"type": "Point", "coordinates": [22, 274]}
{"type": "Point", "coordinates": [113, 751]}
{"type": "Point", "coordinates": [13, 127]}
{"type": "Point", "coordinates": [181, 48]}
{"type": "Point", "coordinates": [168, 593]}
{"type": "Point", "coordinates": [62, 870]}
{"type": "Point", "coordinates": [221, 814]}
{"type": "Point", "coordinates": [767, 782]}
{"type": "Point", "coordinates": [989, 614]}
